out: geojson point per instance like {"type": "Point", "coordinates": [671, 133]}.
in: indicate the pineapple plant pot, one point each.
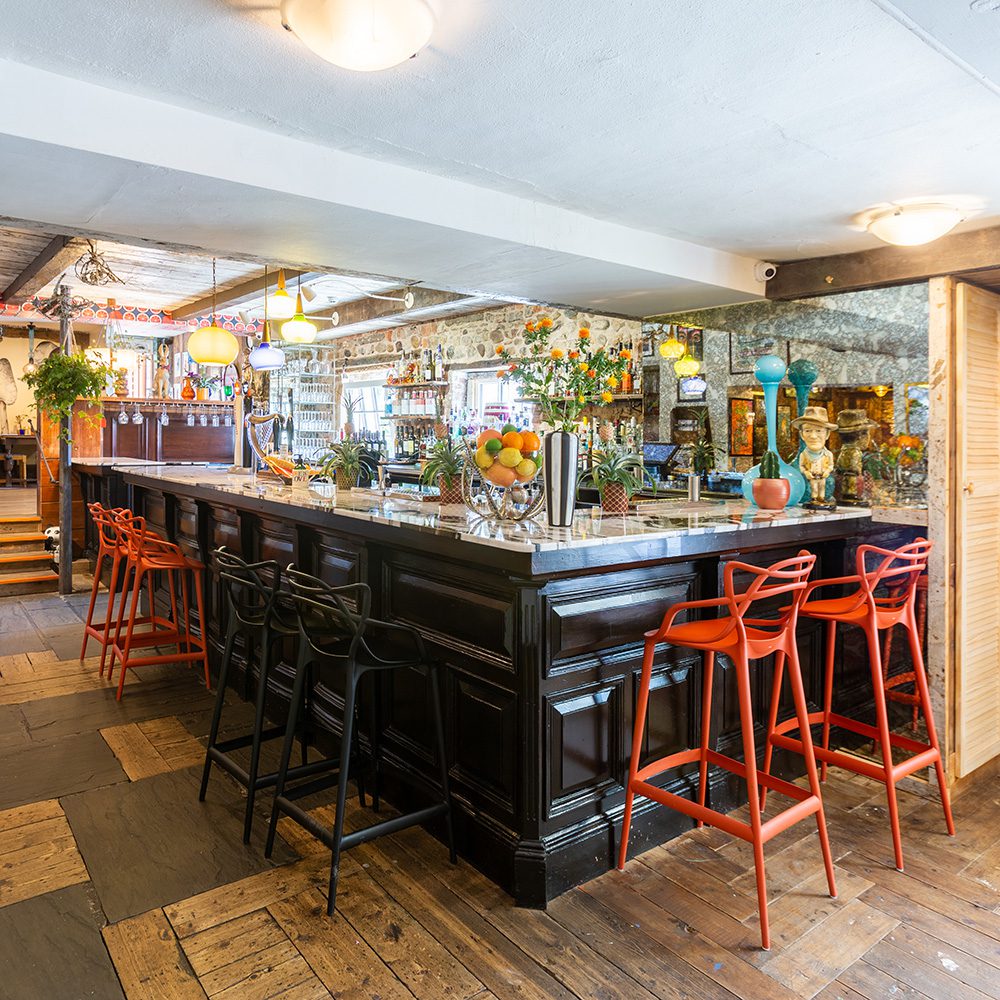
{"type": "Point", "coordinates": [445, 465]}
{"type": "Point", "coordinates": [770, 490]}
{"type": "Point", "coordinates": [450, 492]}
{"type": "Point", "coordinates": [614, 499]}
{"type": "Point", "coordinates": [344, 480]}
{"type": "Point", "coordinates": [343, 464]}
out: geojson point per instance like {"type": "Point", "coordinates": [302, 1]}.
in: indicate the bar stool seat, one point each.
{"type": "Point", "coordinates": [742, 639]}
{"type": "Point", "coordinates": [898, 573]}
{"type": "Point", "coordinates": [343, 650]}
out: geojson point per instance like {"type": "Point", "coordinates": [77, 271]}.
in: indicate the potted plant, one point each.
{"type": "Point", "coordinates": [618, 475]}
{"type": "Point", "coordinates": [343, 463]}
{"type": "Point", "coordinates": [61, 379]}
{"type": "Point", "coordinates": [562, 382]}
{"type": "Point", "coordinates": [770, 489]}
{"type": "Point", "coordinates": [444, 466]}
{"type": "Point", "coordinates": [703, 454]}
{"type": "Point", "coordinates": [351, 403]}
{"type": "Point", "coordinates": [205, 384]}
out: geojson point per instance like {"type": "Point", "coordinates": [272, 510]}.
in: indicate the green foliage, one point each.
{"type": "Point", "coordinates": [345, 458]}
{"type": "Point", "coordinates": [446, 461]}
{"type": "Point", "coordinates": [62, 379]}
{"type": "Point", "coordinates": [563, 381]}
{"type": "Point", "coordinates": [351, 403]}
{"type": "Point", "coordinates": [203, 380]}
{"type": "Point", "coordinates": [770, 466]}
{"type": "Point", "coordinates": [615, 465]}
{"type": "Point", "coordinates": [704, 454]}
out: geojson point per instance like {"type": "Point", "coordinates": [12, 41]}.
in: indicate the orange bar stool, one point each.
{"type": "Point", "coordinates": [907, 677]}
{"type": "Point", "coordinates": [742, 639]}
{"type": "Point", "coordinates": [896, 574]}
{"type": "Point", "coordinates": [148, 555]}
{"type": "Point", "coordinates": [111, 548]}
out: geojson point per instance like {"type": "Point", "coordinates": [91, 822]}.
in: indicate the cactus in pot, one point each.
{"type": "Point", "coordinates": [770, 489]}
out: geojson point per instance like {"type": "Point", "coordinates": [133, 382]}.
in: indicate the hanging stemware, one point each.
{"type": "Point", "coordinates": [137, 417]}
{"type": "Point", "coordinates": [189, 419]}
{"type": "Point", "coordinates": [164, 417]}
{"type": "Point", "coordinates": [122, 415]}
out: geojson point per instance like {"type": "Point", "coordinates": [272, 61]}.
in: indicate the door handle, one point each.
{"type": "Point", "coordinates": [969, 488]}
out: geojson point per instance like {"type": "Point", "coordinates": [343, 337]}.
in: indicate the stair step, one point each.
{"type": "Point", "coordinates": [16, 585]}
{"type": "Point", "coordinates": [16, 561]}
{"type": "Point", "coordinates": [21, 542]}
{"type": "Point", "coordinates": [13, 525]}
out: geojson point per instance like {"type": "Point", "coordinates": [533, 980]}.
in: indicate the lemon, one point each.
{"type": "Point", "coordinates": [526, 468]}
{"type": "Point", "coordinates": [483, 458]}
{"type": "Point", "coordinates": [509, 457]}
{"type": "Point", "coordinates": [493, 446]}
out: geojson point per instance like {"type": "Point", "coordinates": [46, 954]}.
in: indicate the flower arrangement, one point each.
{"type": "Point", "coordinates": [203, 380]}
{"type": "Point", "coordinates": [563, 380]}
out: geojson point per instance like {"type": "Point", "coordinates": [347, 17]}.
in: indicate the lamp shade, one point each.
{"type": "Point", "coordinates": [361, 35]}
{"type": "Point", "coordinates": [265, 357]}
{"type": "Point", "coordinates": [686, 366]}
{"type": "Point", "coordinates": [211, 345]}
{"type": "Point", "coordinates": [279, 303]}
{"type": "Point", "coordinates": [671, 348]}
{"type": "Point", "coordinates": [298, 330]}
{"type": "Point", "coordinates": [914, 225]}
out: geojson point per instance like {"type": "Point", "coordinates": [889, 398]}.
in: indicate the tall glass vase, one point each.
{"type": "Point", "coordinates": [561, 450]}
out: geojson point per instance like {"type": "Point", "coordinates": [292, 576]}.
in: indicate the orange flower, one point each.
{"type": "Point", "coordinates": [625, 353]}
{"type": "Point", "coordinates": [584, 333]}
{"type": "Point", "coordinates": [501, 373]}
{"type": "Point", "coordinates": [545, 323]}
{"type": "Point", "coordinates": [584, 365]}
{"type": "Point", "coordinates": [529, 326]}
{"type": "Point", "coordinates": [613, 382]}
{"type": "Point", "coordinates": [513, 368]}
{"type": "Point", "coordinates": [499, 348]}
{"type": "Point", "coordinates": [591, 373]}
{"type": "Point", "coordinates": [573, 355]}
{"type": "Point", "coordinates": [607, 397]}
{"type": "Point", "coordinates": [556, 354]}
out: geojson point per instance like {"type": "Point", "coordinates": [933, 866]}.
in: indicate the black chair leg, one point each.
{"type": "Point", "coordinates": [350, 691]}
{"type": "Point", "coordinates": [432, 673]}
{"type": "Point", "coordinates": [375, 741]}
{"type": "Point", "coordinates": [220, 697]}
{"type": "Point", "coordinates": [298, 686]}
{"type": "Point", "coordinates": [258, 728]}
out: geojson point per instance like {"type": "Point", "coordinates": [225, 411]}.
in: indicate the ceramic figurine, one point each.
{"type": "Point", "coordinates": [855, 430]}
{"type": "Point", "coordinates": [161, 380]}
{"type": "Point", "coordinates": [815, 459]}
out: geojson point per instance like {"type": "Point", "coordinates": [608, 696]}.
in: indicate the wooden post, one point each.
{"type": "Point", "coordinates": [65, 461]}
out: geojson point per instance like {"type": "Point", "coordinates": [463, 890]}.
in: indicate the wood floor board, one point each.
{"type": "Point", "coordinates": [959, 965]}
{"type": "Point", "coordinates": [934, 981]}
{"type": "Point", "coordinates": [867, 981]}
{"type": "Point", "coordinates": [153, 747]}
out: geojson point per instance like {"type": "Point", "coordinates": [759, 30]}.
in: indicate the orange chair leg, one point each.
{"type": "Point", "coordinates": [772, 719]}
{"type": "Point", "coordinates": [128, 581]}
{"type": "Point", "coordinates": [706, 726]}
{"type": "Point", "coordinates": [831, 652]}
{"type": "Point", "coordinates": [133, 614]}
{"type": "Point", "coordinates": [753, 793]}
{"type": "Point", "coordinates": [802, 714]}
{"type": "Point", "coordinates": [93, 601]}
{"type": "Point", "coordinates": [200, 607]}
{"type": "Point", "coordinates": [920, 679]}
{"type": "Point", "coordinates": [882, 721]}
{"type": "Point", "coordinates": [639, 727]}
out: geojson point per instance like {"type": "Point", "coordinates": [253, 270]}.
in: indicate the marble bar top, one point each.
{"type": "Point", "coordinates": [659, 520]}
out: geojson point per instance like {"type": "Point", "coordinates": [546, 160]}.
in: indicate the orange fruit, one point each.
{"type": "Point", "coordinates": [530, 441]}
{"type": "Point", "coordinates": [485, 436]}
{"type": "Point", "coordinates": [500, 475]}
{"type": "Point", "coordinates": [513, 439]}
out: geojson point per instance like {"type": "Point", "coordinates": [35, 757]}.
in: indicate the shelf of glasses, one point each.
{"type": "Point", "coordinates": [417, 385]}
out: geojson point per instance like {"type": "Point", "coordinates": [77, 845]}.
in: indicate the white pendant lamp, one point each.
{"type": "Point", "coordinates": [361, 35]}
{"type": "Point", "coordinates": [280, 303]}
{"type": "Point", "coordinates": [265, 357]}
{"type": "Point", "coordinates": [211, 345]}
{"type": "Point", "coordinates": [914, 225]}
{"type": "Point", "coordinates": [298, 329]}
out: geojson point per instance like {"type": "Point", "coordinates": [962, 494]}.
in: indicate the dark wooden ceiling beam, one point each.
{"type": "Point", "coordinates": [57, 256]}
{"type": "Point", "coordinates": [958, 253]}
{"type": "Point", "coordinates": [238, 295]}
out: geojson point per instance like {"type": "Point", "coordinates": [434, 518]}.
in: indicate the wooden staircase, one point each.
{"type": "Point", "coordinates": [25, 566]}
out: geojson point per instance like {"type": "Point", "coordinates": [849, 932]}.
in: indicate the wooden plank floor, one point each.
{"type": "Point", "coordinates": [680, 922]}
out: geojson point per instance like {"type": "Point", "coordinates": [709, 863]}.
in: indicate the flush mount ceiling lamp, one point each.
{"type": "Point", "coordinates": [211, 345]}
{"type": "Point", "coordinates": [915, 224]}
{"type": "Point", "coordinates": [361, 35]}
{"type": "Point", "coordinates": [265, 357]}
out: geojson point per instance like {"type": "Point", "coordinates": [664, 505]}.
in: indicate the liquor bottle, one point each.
{"type": "Point", "coordinates": [439, 364]}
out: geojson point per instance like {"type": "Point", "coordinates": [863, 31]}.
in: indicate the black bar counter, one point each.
{"type": "Point", "coordinates": [541, 631]}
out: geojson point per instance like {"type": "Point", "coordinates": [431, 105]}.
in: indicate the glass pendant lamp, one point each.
{"type": "Point", "coordinates": [265, 357]}
{"type": "Point", "coordinates": [212, 345]}
{"type": "Point", "coordinates": [298, 329]}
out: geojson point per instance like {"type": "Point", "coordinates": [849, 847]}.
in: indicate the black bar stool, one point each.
{"type": "Point", "coordinates": [336, 633]}
{"type": "Point", "coordinates": [257, 611]}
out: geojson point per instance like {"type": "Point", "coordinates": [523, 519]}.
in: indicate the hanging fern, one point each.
{"type": "Point", "coordinates": [62, 379]}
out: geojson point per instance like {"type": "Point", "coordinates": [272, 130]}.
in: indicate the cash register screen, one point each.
{"type": "Point", "coordinates": [658, 452]}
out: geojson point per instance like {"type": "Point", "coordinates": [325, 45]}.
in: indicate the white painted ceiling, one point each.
{"type": "Point", "coordinates": [753, 127]}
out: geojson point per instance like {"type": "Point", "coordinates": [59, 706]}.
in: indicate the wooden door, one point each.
{"type": "Point", "coordinates": [977, 523]}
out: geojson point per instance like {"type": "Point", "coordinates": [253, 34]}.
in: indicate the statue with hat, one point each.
{"type": "Point", "coordinates": [815, 459]}
{"type": "Point", "coordinates": [855, 429]}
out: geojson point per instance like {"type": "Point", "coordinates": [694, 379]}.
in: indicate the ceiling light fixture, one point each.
{"type": "Point", "coordinates": [687, 364]}
{"type": "Point", "coordinates": [281, 304]}
{"type": "Point", "coordinates": [914, 225]}
{"type": "Point", "coordinates": [361, 35]}
{"type": "Point", "coordinates": [672, 348]}
{"type": "Point", "coordinates": [298, 329]}
{"type": "Point", "coordinates": [265, 357]}
{"type": "Point", "coordinates": [211, 345]}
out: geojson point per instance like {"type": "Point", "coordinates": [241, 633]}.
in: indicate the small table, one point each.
{"type": "Point", "coordinates": [8, 457]}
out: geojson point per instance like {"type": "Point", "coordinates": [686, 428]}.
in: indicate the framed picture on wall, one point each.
{"type": "Point", "coordinates": [783, 432]}
{"type": "Point", "coordinates": [741, 418]}
{"type": "Point", "coordinates": [746, 348]}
